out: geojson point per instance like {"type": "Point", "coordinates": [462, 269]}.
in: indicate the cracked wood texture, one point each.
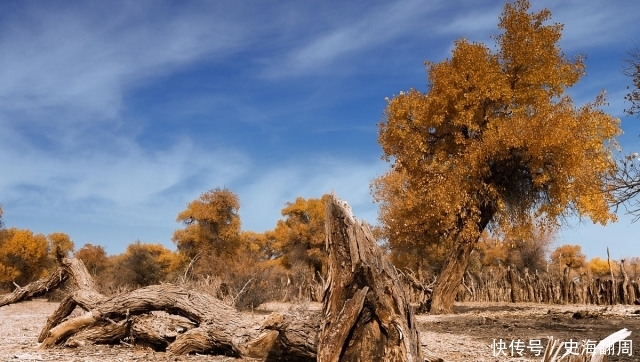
{"type": "Point", "coordinates": [366, 314]}
{"type": "Point", "coordinates": [166, 317]}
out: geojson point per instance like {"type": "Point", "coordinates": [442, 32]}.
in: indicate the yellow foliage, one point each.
{"type": "Point", "coordinates": [94, 258]}
{"type": "Point", "coordinates": [568, 256]}
{"type": "Point", "coordinates": [495, 141]}
{"type": "Point", "coordinates": [259, 246]}
{"type": "Point", "coordinates": [60, 242]}
{"type": "Point", "coordinates": [300, 237]}
{"type": "Point", "coordinates": [494, 253]}
{"type": "Point", "coordinates": [212, 224]}
{"type": "Point", "coordinates": [598, 267]}
{"type": "Point", "coordinates": [633, 267]}
{"type": "Point", "coordinates": [145, 264]}
{"type": "Point", "coordinates": [23, 256]}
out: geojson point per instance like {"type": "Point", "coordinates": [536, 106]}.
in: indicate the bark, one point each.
{"type": "Point", "coordinates": [166, 317]}
{"type": "Point", "coordinates": [366, 313]}
{"type": "Point", "coordinates": [566, 282]}
{"type": "Point", "coordinates": [450, 278]}
{"type": "Point", "coordinates": [35, 289]}
{"type": "Point", "coordinates": [514, 282]}
{"type": "Point", "coordinates": [613, 295]}
{"type": "Point", "coordinates": [444, 293]}
{"type": "Point", "coordinates": [627, 295]}
{"type": "Point", "coordinates": [209, 325]}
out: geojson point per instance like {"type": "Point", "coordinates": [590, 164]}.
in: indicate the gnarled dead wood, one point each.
{"type": "Point", "coordinates": [36, 289]}
{"type": "Point", "coordinates": [366, 315]}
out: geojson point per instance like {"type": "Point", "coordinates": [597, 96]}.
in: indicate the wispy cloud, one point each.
{"type": "Point", "coordinates": [594, 24]}
{"type": "Point", "coordinates": [473, 23]}
{"type": "Point", "coordinates": [123, 176]}
{"type": "Point", "coordinates": [264, 198]}
{"type": "Point", "coordinates": [84, 59]}
{"type": "Point", "coordinates": [373, 28]}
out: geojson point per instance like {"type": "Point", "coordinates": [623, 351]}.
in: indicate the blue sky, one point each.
{"type": "Point", "coordinates": [114, 115]}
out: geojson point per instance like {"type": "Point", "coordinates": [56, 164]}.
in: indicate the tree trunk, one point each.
{"type": "Point", "coordinates": [613, 296]}
{"type": "Point", "coordinates": [366, 313]}
{"type": "Point", "coordinates": [444, 293]}
{"type": "Point", "coordinates": [514, 282]}
{"type": "Point", "coordinates": [465, 239]}
{"type": "Point", "coordinates": [627, 295]}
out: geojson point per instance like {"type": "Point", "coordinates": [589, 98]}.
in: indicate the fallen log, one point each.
{"type": "Point", "coordinates": [216, 327]}
{"type": "Point", "coordinates": [366, 315]}
{"type": "Point", "coordinates": [35, 289]}
{"type": "Point", "coordinates": [193, 322]}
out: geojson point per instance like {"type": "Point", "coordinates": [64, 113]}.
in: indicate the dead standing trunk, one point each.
{"type": "Point", "coordinates": [366, 314]}
{"type": "Point", "coordinates": [514, 282]}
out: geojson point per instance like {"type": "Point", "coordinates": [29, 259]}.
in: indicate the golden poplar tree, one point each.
{"type": "Point", "coordinates": [145, 264]}
{"type": "Point", "coordinates": [568, 256]}
{"type": "Point", "coordinates": [23, 256]}
{"type": "Point", "coordinates": [60, 244]}
{"type": "Point", "coordinates": [300, 236]}
{"type": "Point", "coordinates": [598, 267]}
{"type": "Point", "coordinates": [494, 141]}
{"type": "Point", "coordinates": [212, 224]}
{"type": "Point", "coordinates": [94, 258]}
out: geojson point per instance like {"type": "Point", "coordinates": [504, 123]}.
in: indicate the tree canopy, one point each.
{"type": "Point", "coordinates": [212, 224]}
{"type": "Point", "coordinates": [23, 256]}
{"type": "Point", "coordinates": [300, 236]}
{"type": "Point", "coordinates": [494, 141]}
{"type": "Point", "coordinates": [568, 256]}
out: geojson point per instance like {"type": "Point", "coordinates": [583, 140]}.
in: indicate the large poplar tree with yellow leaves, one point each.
{"type": "Point", "coordinates": [494, 142]}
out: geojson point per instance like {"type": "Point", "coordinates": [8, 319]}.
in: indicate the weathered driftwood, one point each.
{"type": "Point", "coordinates": [496, 285]}
{"type": "Point", "coordinates": [366, 314]}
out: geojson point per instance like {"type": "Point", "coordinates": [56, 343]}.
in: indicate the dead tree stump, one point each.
{"type": "Point", "coordinates": [366, 314]}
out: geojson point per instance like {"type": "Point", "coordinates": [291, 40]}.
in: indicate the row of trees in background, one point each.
{"type": "Point", "coordinates": [245, 267]}
{"type": "Point", "coordinates": [484, 164]}
{"type": "Point", "coordinates": [288, 262]}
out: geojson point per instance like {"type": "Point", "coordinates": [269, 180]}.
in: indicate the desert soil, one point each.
{"type": "Point", "coordinates": [474, 332]}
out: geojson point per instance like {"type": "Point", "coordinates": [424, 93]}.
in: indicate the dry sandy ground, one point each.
{"type": "Point", "coordinates": [466, 335]}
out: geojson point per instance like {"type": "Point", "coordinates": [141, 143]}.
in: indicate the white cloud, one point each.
{"type": "Point", "coordinates": [121, 182]}
{"type": "Point", "coordinates": [354, 34]}
{"type": "Point", "coordinates": [590, 24]}
{"type": "Point", "coordinates": [86, 58]}
{"type": "Point", "coordinates": [263, 199]}
{"type": "Point", "coordinates": [473, 23]}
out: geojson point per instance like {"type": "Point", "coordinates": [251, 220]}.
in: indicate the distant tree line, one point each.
{"type": "Point", "coordinates": [484, 166]}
